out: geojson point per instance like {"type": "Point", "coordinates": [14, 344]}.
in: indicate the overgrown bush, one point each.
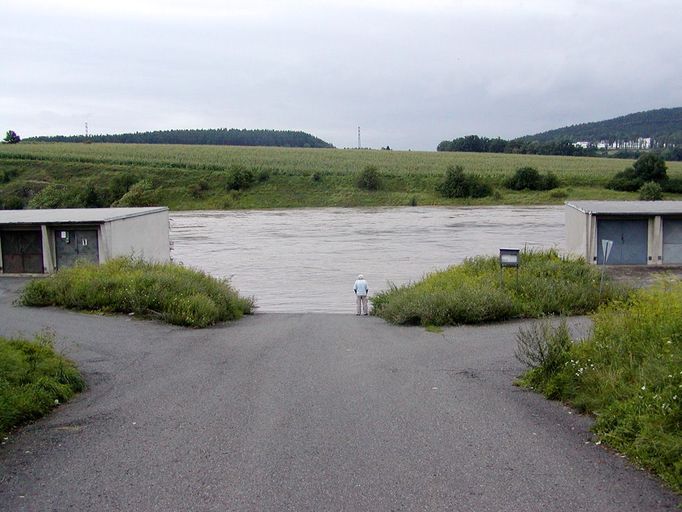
{"type": "Point", "coordinates": [369, 178]}
{"type": "Point", "coordinates": [479, 291]}
{"type": "Point", "coordinates": [240, 178]}
{"type": "Point", "coordinates": [141, 193]}
{"type": "Point", "coordinates": [651, 191]}
{"type": "Point", "coordinates": [629, 375]}
{"type": "Point", "coordinates": [33, 379]}
{"type": "Point", "coordinates": [528, 178]}
{"type": "Point", "coordinates": [648, 167]}
{"type": "Point", "coordinates": [173, 293]}
{"type": "Point", "coordinates": [458, 184]}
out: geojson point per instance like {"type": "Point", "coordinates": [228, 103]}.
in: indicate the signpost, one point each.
{"type": "Point", "coordinates": [509, 258]}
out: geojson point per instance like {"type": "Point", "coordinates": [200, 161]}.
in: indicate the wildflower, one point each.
{"type": "Point", "coordinates": [643, 388]}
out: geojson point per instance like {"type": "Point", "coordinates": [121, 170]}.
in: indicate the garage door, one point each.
{"type": "Point", "coordinates": [630, 241]}
{"type": "Point", "coordinates": [75, 245]}
{"type": "Point", "coordinates": [22, 252]}
{"type": "Point", "coordinates": [672, 241]}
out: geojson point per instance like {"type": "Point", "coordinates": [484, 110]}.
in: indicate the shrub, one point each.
{"type": "Point", "coordinates": [171, 292]}
{"type": "Point", "coordinates": [651, 191]}
{"type": "Point", "coordinates": [627, 373]}
{"type": "Point", "coordinates": [528, 178]}
{"type": "Point", "coordinates": [240, 178]}
{"type": "Point", "coordinates": [648, 167]}
{"type": "Point", "coordinates": [558, 194]}
{"type": "Point", "coordinates": [479, 291]}
{"type": "Point", "coordinates": [369, 178]}
{"type": "Point", "coordinates": [33, 378]}
{"type": "Point", "coordinates": [141, 193]}
{"type": "Point", "coordinates": [458, 184]}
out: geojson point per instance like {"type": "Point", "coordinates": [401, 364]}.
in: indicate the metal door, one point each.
{"type": "Point", "coordinates": [672, 241]}
{"type": "Point", "coordinates": [22, 252]}
{"type": "Point", "coordinates": [630, 241]}
{"type": "Point", "coordinates": [75, 245]}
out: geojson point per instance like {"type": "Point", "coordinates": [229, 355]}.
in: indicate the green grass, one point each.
{"type": "Point", "coordinates": [478, 291]}
{"type": "Point", "coordinates": [628, 374]}
{"type": "Point", "coordinates": [33, 380]}
{"type": "Point", "coordinates": [170, 292]}
{"type": "Point", "coordinates": [406, 177]}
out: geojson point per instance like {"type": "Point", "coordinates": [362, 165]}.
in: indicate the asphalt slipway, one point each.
{"type": "Point", "coordinates": [304, 412]}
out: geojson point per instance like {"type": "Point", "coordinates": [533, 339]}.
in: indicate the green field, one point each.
{"type": "Point", "coordinates": [197, 177]}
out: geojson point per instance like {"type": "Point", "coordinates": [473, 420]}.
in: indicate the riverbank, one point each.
{"type": "Point", "coordinates": [210, 177]}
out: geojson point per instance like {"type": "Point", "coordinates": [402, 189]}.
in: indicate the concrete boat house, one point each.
{"type": "Point", "coordinates": [642, 232]}
{"type": "Point", "coordinates": [43, 241]}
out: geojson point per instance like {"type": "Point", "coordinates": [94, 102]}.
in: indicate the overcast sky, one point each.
{"type": "Point", "coordinates": [409, 73]}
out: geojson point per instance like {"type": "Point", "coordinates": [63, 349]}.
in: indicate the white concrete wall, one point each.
{"type": "Point", "coordinates": [577, 230]}
{"type": "Point", "coordinates": [143, 236]}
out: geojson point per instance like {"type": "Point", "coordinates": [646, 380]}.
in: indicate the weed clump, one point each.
{"type": "Point", "coordinates": [478, 291]}
{"type": "Point", "coordinates": [170, 292]}
{"type": "Point", "coordinates": [33, 379]}
{"type": "Point", "coordinates": [628, 374]}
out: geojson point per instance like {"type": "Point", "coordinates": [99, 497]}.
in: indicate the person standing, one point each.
{"type": "Point", "coordinates": [361, 290]}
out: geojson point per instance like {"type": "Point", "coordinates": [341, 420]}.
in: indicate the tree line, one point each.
{"type": "Point", "coordinates": [219, 137]}
{"type": "Point", "coordinates": [476, 144]}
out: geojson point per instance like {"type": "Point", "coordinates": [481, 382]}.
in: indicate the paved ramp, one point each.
{"type": "Point", "coordinates": [304, 412]}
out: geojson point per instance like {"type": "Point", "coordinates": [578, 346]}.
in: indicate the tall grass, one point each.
{"type": "Point", "coordinates": [170, 292]}
{"type": "Point", "coordinates": [33, 379]}
{"type": "Point", "coordinates": [628, 374]}
{"type": "Point", "coordinates": [478, 291]}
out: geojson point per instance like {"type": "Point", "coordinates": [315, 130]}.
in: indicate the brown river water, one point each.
{"type": "Point", "coordinates": [306, 260]}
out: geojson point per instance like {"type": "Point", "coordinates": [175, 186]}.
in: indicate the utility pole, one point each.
{"type": "Point", "coordinates": [86, 129]}
{"type": "Point", "coordinates": [359, 145]}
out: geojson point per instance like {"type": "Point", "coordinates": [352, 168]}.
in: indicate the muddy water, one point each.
{"type": "Point", "coordinates": [306, 260]}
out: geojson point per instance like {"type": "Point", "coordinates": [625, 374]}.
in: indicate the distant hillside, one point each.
{"type": "Point", "coordinates": [664, 125]}
{"type": "Point", "coordinates": [217, 137]}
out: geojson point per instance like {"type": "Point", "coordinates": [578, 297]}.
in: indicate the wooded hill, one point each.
{"type": "Point", "coordinates": [664, 125]}
{"type": "Point", "coordinates": [217, 137]}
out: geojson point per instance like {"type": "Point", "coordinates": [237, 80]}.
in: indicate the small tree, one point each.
{"type": "Point", "coordinates": [11, 137]}
{"type": "Point", "coordinates": [648, 167]}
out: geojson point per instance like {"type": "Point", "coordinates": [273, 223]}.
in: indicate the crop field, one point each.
{"type": "Point", "coordinates": [322, 160]}
{"type": "Point", "coordinates": [193, 177]}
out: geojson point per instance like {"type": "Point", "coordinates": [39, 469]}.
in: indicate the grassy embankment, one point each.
{"type": "Point", "coordinates": [203, 177]}
{"type": "Point", "coordinates": [170, 292]}
{"type": "Point", "coordinates": [628, 374]}
{"type": "Point", "coordinates": [478, 291]}
{"type": "Point", "coordinates": [33, 380]}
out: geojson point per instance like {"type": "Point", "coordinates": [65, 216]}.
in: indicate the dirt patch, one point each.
{"type": "Point", "coordinates": [642, 276]}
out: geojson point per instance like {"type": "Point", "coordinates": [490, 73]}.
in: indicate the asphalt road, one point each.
{"type": "Point", "coordinates": [304, 412]}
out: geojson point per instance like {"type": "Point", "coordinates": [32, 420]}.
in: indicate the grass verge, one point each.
{"type": "Point", "coordinates": [478, 291]}
{"type": "Point", "coordinates": [170, 292]}
{"type": "Point", "coordinates": [628, 374]}
{"type": "Point", "coordinates": [33, 379]}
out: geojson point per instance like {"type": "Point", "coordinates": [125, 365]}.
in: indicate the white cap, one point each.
{"type": "Point", "coordinates": [361, 276]}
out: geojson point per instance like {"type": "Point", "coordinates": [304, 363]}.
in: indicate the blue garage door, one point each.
{"type": "Point", "coordinates": [630, 240]}
{"type": "Point", "coordinates": [672, 241]}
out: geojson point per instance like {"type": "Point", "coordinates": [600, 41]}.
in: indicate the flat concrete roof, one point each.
{"type": "Point", "coordinates": [628, 207]}
{"type": "Point", "coordinates": [73, 215]}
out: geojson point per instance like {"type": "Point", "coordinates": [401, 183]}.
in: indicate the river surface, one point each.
{"type": "Point", "coordinates": [306, 260]}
